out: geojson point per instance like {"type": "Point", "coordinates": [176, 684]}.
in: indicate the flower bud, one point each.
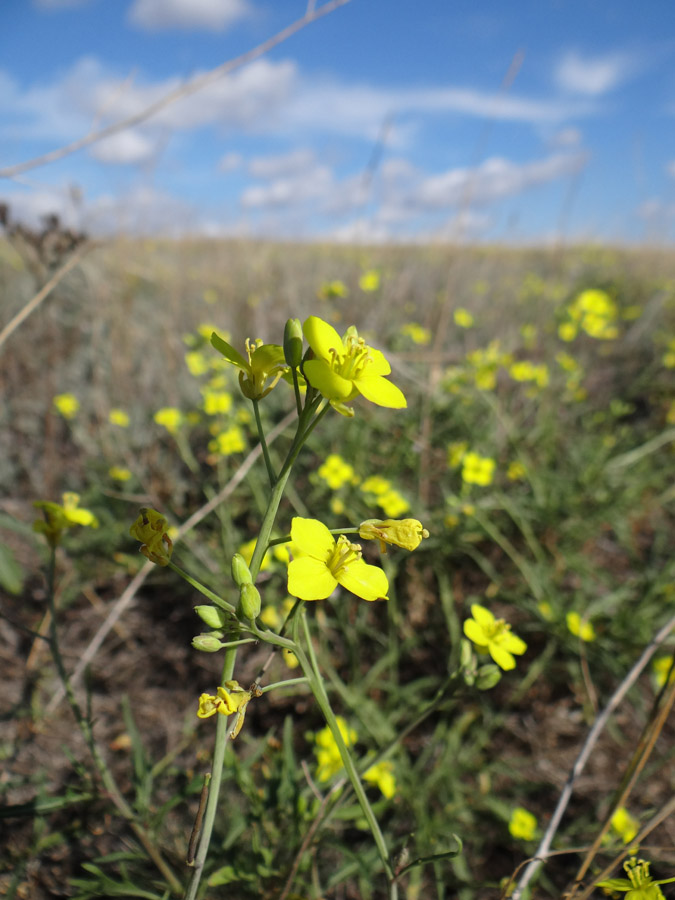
{"type": "Point", "coordinates": [405, 533]}
{"type": "Point", "coordinates": [212, 616]}
{"type": "Point", "coordinates": [240, 570]}
{"type": "Point", "coordinates": [487, 677]}
{"type": "Point", "coordinates": [293, 343]}
{"type": "Point", "coordinates": [207, 643]}
{"type": "Point", "coordinates": [249, 602]}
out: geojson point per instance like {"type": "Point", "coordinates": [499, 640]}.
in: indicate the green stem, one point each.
{"type": "Point", "coordinates": [87, 733]}
{"type": "Point", "coordinates": [197, 585]}
{"type": "Point", "coordinates": [287, 683]}
{"type": "Point", "coordinates": [263, 443]}
{"type": "Point", "coordinates": [311, 670]}
{"type": "Point", "coordinates": [296, 389]}
{"type": "Point", "coordinates": [223, 728]}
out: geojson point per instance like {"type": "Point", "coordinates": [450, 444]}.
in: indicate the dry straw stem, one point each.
{"type": "Point", "coordinates": [643, 751]}
{"type": "Point", "coordinates": [44, 292]}
{"type": "Point", "coordinates": [185, 90]}
{"type": "Point", "coordinates": [138, 580]}
{"type": "Point", "coordinates": [601, 721]}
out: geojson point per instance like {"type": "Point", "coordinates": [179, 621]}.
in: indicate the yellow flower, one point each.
{"type": "Point", "coordinates": [662, 666]}
{"type": "Point", "coordinates": [624, 824]}
{"type": "Point", "coordinates": [58, 518]}
{"type": "Point", "coordinates": [493, 636]}
{"type": "Point", "coordinates": [581, 629]}
{"type": "Point", "coordinates": [321, 563]}
{"type": "Point", "coordinates": [370, 281]}
{"type": "Point", "coordinates": [265, 366]}
{"type": "Point", "coordinates": [516, 471]}
{"type": "Point", "coordinates": [456, 452]}
{"type": "Point", "coordinates": [336, 472]}
{"type": "Point", "coordinates": [67, 405]}
{"type": "Point", "coordinates": [477, 469]}
{"type": "Point", "coordinates": [216, 402]}
{"type": "Point", "coordinates": [170, 418]}
{"type": "Point", "coordinates": [392, 503]}
{"type": "Point", "coordinates": [228, 442]}
{"type": "Point", "coordinates": [119, 473]}
{"type": "Point", "coordinates": [119, 417]}
{"type": "Point", "coordinates": [417, 333]}
{"type": "Point", "coordinates": [405, 533]}
{"type": "Point", "coordinates": [463, 318]}
{"type": "Point", "coordinates": [197, 363]}
{"type": "Point", "coordinates": [329, 761]}
{"type": "Point", "coordinates": [527, 371]}
{"type": "Point", "coordinates": [382, 774]}
{"type": "Point", "coordinates": [522, 824]}
{"type": "Point", "coordinates": [332, 290]}
{"type": "Point", "coordinates": [375, 485]}
{"type": "Point", "coordinates": [231, 698]}
{"type": "Point", "coordinates": [567, 331]}
{"type": "Point", "coordinates": [151, 529]}
{"type": "Point", "coordinates": [639, 884]}
{"type": "Point", "coordinates": [345, 367]}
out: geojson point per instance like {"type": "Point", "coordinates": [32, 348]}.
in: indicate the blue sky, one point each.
{"type": "Point", "coordinates": [519, 121]}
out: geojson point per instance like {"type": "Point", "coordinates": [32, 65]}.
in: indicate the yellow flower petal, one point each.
{"type": "Point", "coordinates": [367, 582]}
{"type": "Point", "coordinates": [310, 579]}
{"type": "Point", "coordinates": [312, 537]}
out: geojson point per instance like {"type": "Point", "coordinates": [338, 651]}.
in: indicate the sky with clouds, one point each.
{"type": "Point", "coordinates": [525, 121]}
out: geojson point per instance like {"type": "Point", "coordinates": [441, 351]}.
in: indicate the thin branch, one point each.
{"type": "Point", "coordinates": [44, 292]}
{"type": "Point", "coordinates": [543, 849]}
{"type": "Point", "coordinates": [185, 90]}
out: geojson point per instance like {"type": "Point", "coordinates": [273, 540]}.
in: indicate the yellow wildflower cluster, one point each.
{"type": "Point", "coordinates": [418, 334]}
{"type": "Point", "coordinates": [524, 370]}
{"type": "Point", "coordinates": [594, 312]}
{"type": "Point", "coordinates": [336, 472]}
{"type": "Point", "coordinates": [151, 529]}
{"type": "Point", "coordinates": [170, 418]}
{"type": "Point", "coordinates": [668, 357]}
{"type": "Point", "coordinates": [59, 517]}
{"type": "Point", "coordinates": [463, 318]}
{"type": "Point", "coordinates": [386, 497]}
{"type": "Point", "coordinates": [67, 405]}
{"type": "Point", "coordinates": [522, 824]}
{"type": "Point", "coordinates": [477, 469]}
{"type": "Point", "coordinates": [579, 627]}
{"type": "Point", "coordinates": [119, 417]}
{"type": "Point", "coordinates": [485, 363]}
{"type": "Point", "coordinates": [228, 442]}
{"type": "Point", "coordinates": [119, 473]}
{"type": "Point", "coordinates": [329, 761]}
{"type": "Point", "coordinates": [332, 290]}
{"type": "Point", "coordinates": [370, 281]}
{"type": "Point", "coordinates": [624, 824]}
{"type": "Point", "coordinates": [493, 636]}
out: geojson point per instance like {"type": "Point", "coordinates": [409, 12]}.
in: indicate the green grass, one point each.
{"type": "Point", "coordinates": [586, 527]}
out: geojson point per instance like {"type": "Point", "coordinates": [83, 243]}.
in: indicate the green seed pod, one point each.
{"type": "Point", "coordinates": [293, 343]}
{"type": "Point", "coordinates": [207, 643]}
{"type": "Point", "coordinates": [240, 571]}
{"type": "Point", "coordinates": [212, 616]}
{"type": "Point", "coordinates": [249, 602]}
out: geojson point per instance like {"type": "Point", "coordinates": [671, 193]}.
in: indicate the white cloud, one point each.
{"type": "Point", "coordinates": [592, 76]}
{"type": "Point", "coordinates": [282, 166]}
{"type": "Point", "coordinates": [211, 15]}
{"type": "Point", "coordinates": [566, 137]}
{"type": "Point", "coordinates": [493, 180]}
{"type": "Point", "coordinates": [230, 162]}
{"type": "Point", "coordinates": [124, 148]}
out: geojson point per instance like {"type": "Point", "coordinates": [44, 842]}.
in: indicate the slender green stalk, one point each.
{"type": "Point", "coordinates": [197, 585]}
{"type": "Point", "coordinates": [224, 727]}
{"type": "Point", "coordinates": [263, 443]}
{"type": "Point", "coordinates": [311, 669]}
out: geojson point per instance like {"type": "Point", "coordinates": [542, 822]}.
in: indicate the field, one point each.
{"type": "Point", "coordinates": [536, 449]}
